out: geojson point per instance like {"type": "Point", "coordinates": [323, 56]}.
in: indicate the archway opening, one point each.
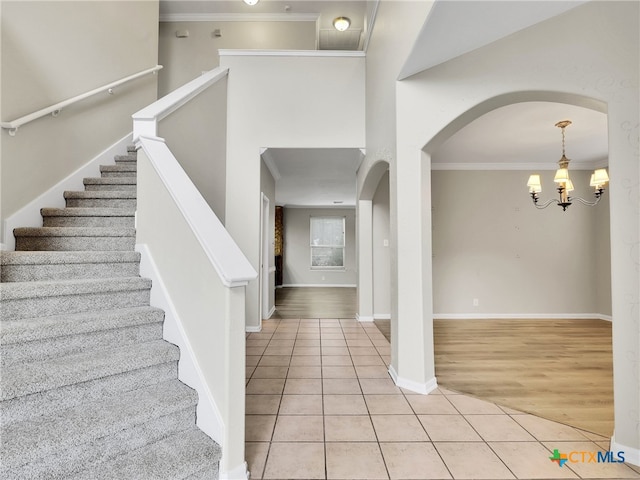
{"type": "Point", "coordinates": [520, 293]}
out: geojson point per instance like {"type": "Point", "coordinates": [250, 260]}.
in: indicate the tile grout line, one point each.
{"type": "Point", "coordinates": [375, 433]}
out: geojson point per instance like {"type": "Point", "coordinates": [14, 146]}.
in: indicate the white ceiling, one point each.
{"type": "Point", "coordinates": [326, 9]}
{"type": "Point", "coordinates": [314, 177]}
{"type": "Point", "coordinates": [276, 10]}
{"type": "Point", "coordinates": [524, 136]}
{"type": "Point", "coordinates": [453, 28]}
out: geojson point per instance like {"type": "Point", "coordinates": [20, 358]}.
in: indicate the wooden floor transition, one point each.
{"type": "Point", "coordinates": [556, 369]}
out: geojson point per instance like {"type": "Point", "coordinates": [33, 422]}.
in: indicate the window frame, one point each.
{"type": "Point", "coordinates": [343, 246]}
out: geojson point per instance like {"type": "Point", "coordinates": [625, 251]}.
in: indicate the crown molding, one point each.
{"type": "Point", "coordinates": [519, 166]}
{"type": "Point", "coordinates": [239, 17]}
{"type": "Point", "coordinates": [225, 52]}
{"type": "Point", "coordinates": [342, 206]}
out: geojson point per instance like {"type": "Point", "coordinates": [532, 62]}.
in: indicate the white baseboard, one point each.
{"type": "Point", "coordinates": [364, 318]}
{"type": "Point", "coordinates": [258, 328]}
{"type": "Point", "coordinates": [521, 316]}
{"type": "Point", "coordinates": [29, 215]}
{"type": "Point", "coordinates": [208, 417]}
{"type": "Point", "coordinates": [424, 388]}
{"type": "Point", "coordinates": [318, 285]}
{"type": "Point", "coordinates": [631, 455]}
{"type": "Point", "coordinates": [271, 312]}
{"type": "Point", "coordinates": [382, 316]}
{"type": "Point", "coordinates": [238, 473]}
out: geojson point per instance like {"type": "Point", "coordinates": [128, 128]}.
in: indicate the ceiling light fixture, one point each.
{"type": "Point", "coordinates": [341, 23]}
{"type": "Point", "coordinates": [251, 2]}
{"type": "Point", "coordinates": [599, 179]}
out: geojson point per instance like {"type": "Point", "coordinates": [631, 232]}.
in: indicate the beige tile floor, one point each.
{"type": "Point", "coordinates": [321, 405]}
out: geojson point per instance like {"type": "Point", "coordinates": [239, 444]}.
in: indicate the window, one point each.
{"type": "Point", "coordinates": [327, 242]}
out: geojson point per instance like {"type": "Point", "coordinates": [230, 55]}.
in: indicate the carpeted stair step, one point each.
{"type": "Point", "coordinates": [130, 157]}
{"type": "Point", "coordinates": [204, 475]}
{"type": "Point", "coordinates": [110, 183]}
{"type": "Point", "coordinates": [62, 466]}
{"type": "Point", "coordinates": [96, 431]}
{"type": "Point", "coordinates": [40, 339]}
{"type": "Point", "coordinates": [129, 169]}
{"type": "Point", "coordinates": [29, 266]}
{"type": "Point", "coordinates": [177, 457]}
{"type": "Point", "coordinates": [29, 378]}
{"type": "Point", "coordinates": [40, 299]}
{"type": "Point", "coordinates": [75, 238]}
{"type": "Point", "coordinates": [90, 389]}
{"type": "Point", "coordinates": [88, 217]}
{"type": "Point", "coordinates": [101, 198]}
{"type": "Point", "coordinates": [50, 402]}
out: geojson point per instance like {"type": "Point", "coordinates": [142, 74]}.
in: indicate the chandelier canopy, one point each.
{"type": "Point", "coordinates": [599, 179]}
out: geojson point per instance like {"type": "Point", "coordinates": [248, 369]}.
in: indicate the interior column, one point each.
{"type": "Point", "coordinates": [364, 219]}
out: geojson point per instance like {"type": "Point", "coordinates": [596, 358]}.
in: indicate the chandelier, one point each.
{"type": "Point", "coordinates": [599, 179]}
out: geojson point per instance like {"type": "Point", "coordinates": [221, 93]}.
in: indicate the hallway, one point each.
{"type": "Point", "coordinates": [320, 405]}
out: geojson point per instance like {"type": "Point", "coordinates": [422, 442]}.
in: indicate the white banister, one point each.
{"type": "Point", "coordinates": [204, 274]}
{"type": "Point", "coordinates": [228, 260]}
{"type": "Point", "coordinates": [145, 121]}
{"type": "Point", "coordinates": [55, 109]}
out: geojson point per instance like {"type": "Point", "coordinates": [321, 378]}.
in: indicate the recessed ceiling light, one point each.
{"type": "Point", "coordinates": [341, 23]}
{"type": "Point", "coordinates": [251, 2]}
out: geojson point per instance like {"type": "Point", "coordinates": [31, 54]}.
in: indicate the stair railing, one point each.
{"type": "Point", "coordinates": [202, 271]}
{"type": "Point", "coordinates": [55, 110]}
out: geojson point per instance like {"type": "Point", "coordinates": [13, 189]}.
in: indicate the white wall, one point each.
{"type": "Point", "coordinates": [196, 134]}
{"type": "Point", "coordinates": [490, 243]}
{"type": "Point", "coordinates": [596, 67]}
{"type": "Point", "coordinates": [396, 26]}
{"type": "Point", "coordinates": [52, 51]}
{"type": "Point", "coordinates": [284, 102]}
{"type": "Point", "coordinates": [297, 249]}
{"type": "Point", "coordinates": [601, 229]}
{"type": "Point", "coordinates": [381, 251]}
{"type": "Point", "coordinates": [184, 58]}
{"type": "Point", "coordinates": [268, 187]}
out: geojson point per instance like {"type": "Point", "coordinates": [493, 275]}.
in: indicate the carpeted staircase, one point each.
{"type": "Point", "coordinates": [89, 389]}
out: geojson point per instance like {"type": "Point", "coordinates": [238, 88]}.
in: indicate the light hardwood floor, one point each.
{"type": "Point", "coordinates": [556, 369]}
{"type": "Point", "coordinates": [315, 302]}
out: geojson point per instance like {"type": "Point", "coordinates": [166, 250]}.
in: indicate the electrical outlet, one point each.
{"type": "Point", "coordinates": [476, 302]}
{"type": "Point", "coordinates": [323, 277]}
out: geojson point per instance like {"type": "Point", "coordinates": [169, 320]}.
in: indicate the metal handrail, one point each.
{"type": "Point", "coordinates": [55, 109]}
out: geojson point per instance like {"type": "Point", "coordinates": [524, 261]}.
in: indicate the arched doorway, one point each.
{"type": "Point", "coordinates": [372, 221]}
{"type": "Point", "coordinates": [500, 305]}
